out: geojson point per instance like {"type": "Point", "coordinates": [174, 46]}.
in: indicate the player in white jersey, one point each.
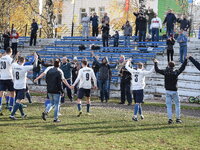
{"type": "Point", "coordinates": [85, 77]}
{"type": "Point", "coordinates": [19, 79]}
{"type": "Point", "coordinates": [6, 77]}
{"type": "Point", "coordinates": [137, 86]}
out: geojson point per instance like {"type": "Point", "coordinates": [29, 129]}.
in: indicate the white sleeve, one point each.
{"type": "Point", "coordinates": [10, 61]}
{"type": "Point", "coordinates": [160, 22]}
{"type": "Point", "coordinates": [28, 68]}
{"type": "Point", "coordinates": [94, 78]}
{"type": "Point", "coordinates": [145, 72]}
{"type": "Point", "coordinates": [62, 74]}
{"type": "Point", "coordinates": [47, 69]}
{"type": "Point", "coordinates": [129, 68]}
{"type": "Point", "coordinates": [78, 78]}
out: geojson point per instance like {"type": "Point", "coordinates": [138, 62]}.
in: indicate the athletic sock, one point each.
{"type": "Point", "coordinates": [15, 108]}
{"type": "Point", "coordinates": [0, 104]}
{"type": "Point", "coordinates": [79, 107]}
{"type": "Point", "coordinates": [88, 108]}
{"type": "Point", "coordinates": [28, 97]}
{"type": "Point", "coordinates": [21, 109]}
{"type": "Point", "coordinates": [136, 107]}
{"type": "Point", "coordinates": [140, 109]}
{"type": "Point", "coordinates": [12, 101]}
{"type": "Point", "coordinates": [7, 100]}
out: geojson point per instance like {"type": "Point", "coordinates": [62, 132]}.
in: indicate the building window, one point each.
{"type": "Point", "coordinates": [83, 13]}
{"type": "Point", "coordinates": [101, 12]}
{"type": "Point", "coordinates": [59, 18]}
{"type": "Point", "coordinates": [92, 10]}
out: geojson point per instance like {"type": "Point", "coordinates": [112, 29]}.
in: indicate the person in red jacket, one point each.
{"type": "Point", "coordinates": [14, 40]}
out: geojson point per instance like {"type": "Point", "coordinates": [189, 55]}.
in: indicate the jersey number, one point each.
{"type": "Point", "coordinates": [136, 78]}
{"type": "Point", "coordinates": [3, 65]}
{"type": "Point", "coordinates": [87, 76]}
{"type": "Point", "coordinates": [17, 75]}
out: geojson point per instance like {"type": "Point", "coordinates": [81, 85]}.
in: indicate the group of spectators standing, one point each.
{"type": "Point", "coordinates": [11, 38]}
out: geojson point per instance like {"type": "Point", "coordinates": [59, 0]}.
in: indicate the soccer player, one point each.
{"type": "Point", "coordinates": [6, 77]}
{"type": "Point", "coordinates": [85, 77]}
{"type": "Point", "coordinates": [171, 78]}
{"type": "Point", "coordinates": [137, 85]}
{"type": "Point", "coordinates": [54, 79]}
{"type": "Point", "coordinates": [19, 79]}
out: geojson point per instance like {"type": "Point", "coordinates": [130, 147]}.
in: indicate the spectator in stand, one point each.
{"type": "Point", "coordinates": [85, 23]}
{"type": "Point", "coordinates": [6, 41]}
{"type": "Point", "coordinates": [150, 13]}
{"type": "Point", "coordinates": [182, 40]}
{"type": "Point", "coordinates": [196, 63]}
{"type": "Point", "coordinates": [66, 68]}
{"type": "Point", "coordinates": [137, 22]}
{"type": "Point", "coordinates": [76, 67]}
{"type": "Point", "coordinates": [127, 33]}
{"type": "Point", "coordinates": [171, 78]}
{"type": "Point", "coordinates": [34, 28]}
{"type": "Point", "coordinates": [170, 47]}
{"type": "Point", "coordinates": [156, 26]}
{"type": "Point", "coordinates": [184, 23]}
{"type": "Point", "coordinates": [37, 69]}
{"type": "Point", "coordinates": [125, 84]}
{"type": "Point", "coordinates": [105, 34]}
{"type": "Point", "coordinates": [14, 40]}
{"type": "Point", "coordinates": [116, 39]}
{"type": "Point", "coordinates": [105, 19]}
{"type": "Point", "coordinates": [95, 23]}
{"type": "Point", "coordinates": [142, 27]}
{"type": "Point", "coordinates": [104, 77]}
{"type": "Point", "coordinates": [170, 20]}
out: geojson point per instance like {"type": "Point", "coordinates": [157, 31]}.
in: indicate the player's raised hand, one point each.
{"type": "Point", "coordinates": [155, 60]}
{"type": "Point", "coordinates": [35, 55]}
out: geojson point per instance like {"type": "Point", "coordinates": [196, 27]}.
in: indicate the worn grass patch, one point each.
{"type": "Point", "coordinates": [107, 128]}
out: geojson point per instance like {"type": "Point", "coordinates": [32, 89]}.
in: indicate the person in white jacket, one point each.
{"type": "Point", "coordinates": [137, 86]}
{"type": "Point", "coordinates": [156, 25]}
{"type": "Point", "coordinates": [85, 23]}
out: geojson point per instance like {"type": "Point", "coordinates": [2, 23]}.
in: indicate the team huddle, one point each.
{"type": "Point", "coordinates": [13, 78]}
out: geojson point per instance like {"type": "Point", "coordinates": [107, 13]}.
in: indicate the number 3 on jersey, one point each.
{"type": "Point", "coordinates": [3, 65]}
{"type": "Point", "coordinates": [17, 75]}
{"type": "Point", "coordinates": [136, 78]}
{"type": "Point", "coordinates": [87, 76]}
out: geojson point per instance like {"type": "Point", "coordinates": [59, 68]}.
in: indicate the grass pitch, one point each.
{"type": "Point", "coordinates": [106, 129]}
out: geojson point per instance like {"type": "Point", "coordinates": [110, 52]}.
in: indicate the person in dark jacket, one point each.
{"type": "Point", "coordinates": [6, 41]}
{"type": "Point", "coordinates": [170, 48]}
{"type": "Point", "coordinates": [184, 23]}
{"type": "Point", "coordinates": [137, 22]}
{"type": "Point", "coordinates": [105, 34]}
{"type": "Point", "coordinates": [116, 39]}
{"type": "Point", "coordinates": [104, 77]}
{"type": "Point", "coordinates": [196, 63]}
{"type": "Point", "coordinates": [125, 86]}
{"type": "Point", "coordinates": [150, 13]}
{"type": "Point", "coordinates": [36, 70]}
{"type": "Point", "coordinates": [67, 70]}
{"type": "Point", "coordinates": [54, 79]}
{"type": "Point", "coordinates": [34, 28]}
{"type": "Point", "coordinates": [142, 27]}
{"type": "Point", "coordinates": [170, 20]}
{"type": "Point", "coordinates": [95, 23]}
{"type": "Point", "coordinates": [171, 78]}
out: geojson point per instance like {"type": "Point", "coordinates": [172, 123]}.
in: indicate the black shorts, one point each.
{"type": "Point", "coordinates": [6, 85]}
{"type": "Point", "coordinates": [83, 92]}
{"type": "Point", "coordinates": [138, 96]}
{"type": "Point", "coordinates": [20, 94]}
